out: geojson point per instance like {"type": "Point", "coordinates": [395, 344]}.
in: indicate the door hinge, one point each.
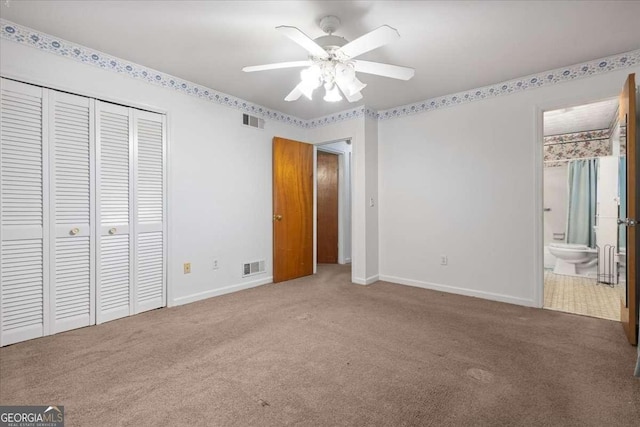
{"type": "Point", "coordinates": [628, 222]}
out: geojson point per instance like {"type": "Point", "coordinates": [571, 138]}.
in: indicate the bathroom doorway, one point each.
{"type": "Point", "coordinates": [582, 180]}
{"type": "Point", "coordinates": [333, 202]}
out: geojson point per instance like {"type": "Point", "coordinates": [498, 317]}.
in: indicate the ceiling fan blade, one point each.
{"type": "Point", "coordinates": [385, 70]}
{"type": "Point", "coordinates": [276, 66]}
{"type": "Point", "coordinates": [303, 40]}
{"type": "Point", "coordinates": [294, 94]}
{"type": "Point", "coordinates": [372, 40]}
{"type": "Point", "coordinates": [351, 98]}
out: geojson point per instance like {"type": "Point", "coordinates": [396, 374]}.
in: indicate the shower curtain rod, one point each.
{"type": "Point", "coordinates": [577, 158]}
{"type": "Point", "coordinates": [574, 142]}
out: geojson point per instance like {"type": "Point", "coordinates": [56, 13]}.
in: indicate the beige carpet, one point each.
{"type": "Point", "coordinates": [322, 352]}
{"type": "Point", "coordinates": [581, 295]}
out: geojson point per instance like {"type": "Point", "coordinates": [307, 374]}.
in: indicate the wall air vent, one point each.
{"type": "Point", "coordinates": [252, 121]}
{"type": "Point", "coordinates": [251, 268]}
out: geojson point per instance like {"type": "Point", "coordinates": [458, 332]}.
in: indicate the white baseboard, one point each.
{"type": "Point", "coordinates": [460, 291]}
{"type": "Point", "coordinates": [367, 281]}
{"type": "Point", "coordinates": [221, 291]}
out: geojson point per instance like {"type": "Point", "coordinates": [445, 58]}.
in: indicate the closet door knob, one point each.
{"type": "Point", "coordinates": [112, 231]}
{"type": "Point", "coordinates": [277, 217]}
{"type": "Point", "coordinates": [74, 231]}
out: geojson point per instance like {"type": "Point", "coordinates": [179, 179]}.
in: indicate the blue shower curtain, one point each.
{"type": "Point", "coordinates": [582, 202]}
{"type": "Point", "coordinates": [622, 191]}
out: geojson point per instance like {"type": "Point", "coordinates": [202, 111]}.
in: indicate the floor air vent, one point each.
{"type": "Point", "coordinates": [252, 121]}
{"type": "Point", "coordinates": [251, 268]}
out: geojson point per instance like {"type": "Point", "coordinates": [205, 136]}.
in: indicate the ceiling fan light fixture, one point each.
{"type": "Point", "coordinates": [332, 61]}
{"type": "Point", "coordinates": [311, 75]}
{"type": "Point", "coordinates": [310, 80]}
{"type": "Point", "coordinates": [332, 93]}
{"type": "Point", "coordinates": [346, 78]}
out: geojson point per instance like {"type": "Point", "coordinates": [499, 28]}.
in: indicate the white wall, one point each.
{"type": "Point", "coordinates": [556, 195]}
{"type": "Point", "coordinates": [607, 210]}
{"type": "Point", "coordinates": [466, 182]}
{"type": "Point", "coordinates": [372, 199]}
{"type": "Point", "coordinates": [363, 248]}
{"type": "Point", "coordinates": [219, 171]}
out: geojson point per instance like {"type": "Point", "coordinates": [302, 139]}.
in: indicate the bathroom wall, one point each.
{"type": "Point", "coordinates": [607, 210]}
{"type": "Point", "coordinates": [556, 193]}
{"type": "Point", "coordinates": [463, 182]}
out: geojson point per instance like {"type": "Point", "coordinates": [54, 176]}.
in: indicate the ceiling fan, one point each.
{"type": "Point", "coordinates": [332, 61]}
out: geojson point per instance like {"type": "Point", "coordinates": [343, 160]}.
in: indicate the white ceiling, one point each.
{"type": "Point", "coordinates": [594, 116]}
{"type": "Point", "coordinates": [453, 46]}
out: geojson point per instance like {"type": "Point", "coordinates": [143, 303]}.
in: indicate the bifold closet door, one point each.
{"type": "Point", "coordinates": [114, 172]}
{"type": "Point", "coordinates": [23, 213]}
{"type": "Point", "coordinates": [130, 192]}
{"type": "Point", "coordinates": [72, 243]}
{"type": "Point", "coordinates": [149, 190]}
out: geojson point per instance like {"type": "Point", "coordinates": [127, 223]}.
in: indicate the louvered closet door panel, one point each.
{"type": "Point", "coordinates": [23, 213]}
{"type": "Point", "coordinates": [149, 137]}
{"type": "Point", "coordinates": [114, 189]}
{"type": "Point", "coordinates": [71, 140]}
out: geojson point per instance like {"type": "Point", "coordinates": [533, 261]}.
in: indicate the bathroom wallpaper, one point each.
{"type": "Point", "coordinates": [576, 146]}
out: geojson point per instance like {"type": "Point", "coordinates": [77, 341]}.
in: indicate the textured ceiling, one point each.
{"type": "Point", "coordinates": [598, 115]}
{"type": "Point", "coordinates": [453, 46]}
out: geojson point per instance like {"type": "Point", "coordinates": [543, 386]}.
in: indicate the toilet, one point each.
{"type": "Point", "coordinates": [574, 260]}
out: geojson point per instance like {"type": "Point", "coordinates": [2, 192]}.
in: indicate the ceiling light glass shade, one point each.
{"type": "Point", "coordinates": [344, 71]}
{"type": "Point", "coordinates": [355, 86]}
{"type": "Point", "coordinates": [346, 78]}
{"type": "Point", "coordinates": [311, 79]}
{"type": "Point", "coordinates": [332, 93]}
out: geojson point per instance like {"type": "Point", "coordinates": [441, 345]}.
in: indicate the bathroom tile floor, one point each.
{"type": "Point", "coordinates": [581, 295]}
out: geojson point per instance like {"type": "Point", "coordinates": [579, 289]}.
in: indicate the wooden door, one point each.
{"type": "Point", "coordinates": [327, 220]}
{"type": "Point", "coordinates": [628, 121]}
{"type": "Point", "coordinates": [292, 209]}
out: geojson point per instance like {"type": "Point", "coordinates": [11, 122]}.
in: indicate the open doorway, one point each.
{"type": "Point", "coordinates": [333, 202]}
{"type": "Point", "coordinates": [583, 190]}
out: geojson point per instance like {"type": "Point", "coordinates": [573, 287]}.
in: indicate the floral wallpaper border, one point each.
{"type": "Point", "coordinates": [361, 111]}
{"type": "Point", "coordinates": [559, 75]}
{"type": "Point", "coordinates": [578, 145]}
{"type": "Point", "coordinates": [27, 36]}
{"type": "Point", "coordinates": [577, 136]}
{"type": "Point", "coordinates": [39, 40]}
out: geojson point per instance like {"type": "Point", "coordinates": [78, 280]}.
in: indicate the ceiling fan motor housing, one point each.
{"type": "Point", "coordinates": [329, 24]}
{"type": "Point", "coordinates": [331, 42]}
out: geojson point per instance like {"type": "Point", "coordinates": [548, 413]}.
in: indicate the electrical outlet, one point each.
{"type": "Point", "coordinates": [215, 264]}
{"type": "Point", "coordinates": [187, 267]}
{"type": "Point", "coordinates": [444, 260]}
